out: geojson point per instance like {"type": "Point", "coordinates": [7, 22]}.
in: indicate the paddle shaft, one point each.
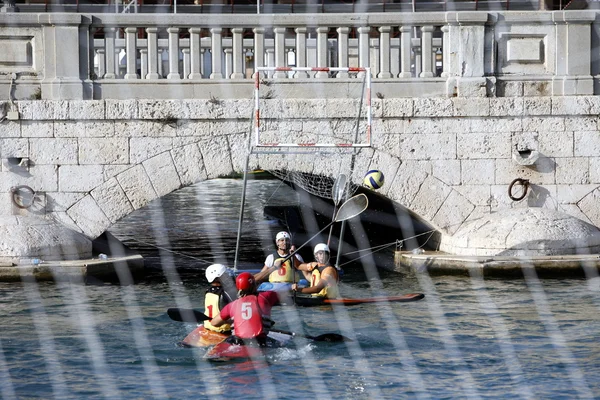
{"type": "Point", "coordinates": [346, 211]}
{"type": "Point", "coordinates": [191, 315]}
{"type": "Point", "coordinates": [325, 337]}
{"type": "Point", "coordinates": [293, 253]}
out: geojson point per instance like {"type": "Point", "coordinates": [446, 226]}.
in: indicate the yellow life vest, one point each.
{"type": "Point", "coordinates": [212, 309]}
{"type": "Point", "coordinates": [328, 291]}
{"type": "Point", "coordinates": [285, 273]}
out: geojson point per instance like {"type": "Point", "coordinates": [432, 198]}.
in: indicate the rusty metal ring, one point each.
{"type": "Point", "coordinates": [521, 182]}
{"type": "Point", "coordinates": [22, 196]}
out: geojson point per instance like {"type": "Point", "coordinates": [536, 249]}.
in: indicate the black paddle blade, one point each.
{"type": "Point", "coordinates": [330, 337]}
{"type": "Point", "coordinates": [186, 315]}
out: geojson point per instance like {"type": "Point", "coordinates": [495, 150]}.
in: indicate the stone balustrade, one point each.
{"type": "Point", "coordinates": [445, 54]}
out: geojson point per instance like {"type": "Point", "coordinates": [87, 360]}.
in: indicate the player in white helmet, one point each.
{"type": "Point", "coordinates": [221, 292]}
{"type": "Point", "coordinates": [285, 274]}
{"type": "Point", "coordinates": [324, 277]}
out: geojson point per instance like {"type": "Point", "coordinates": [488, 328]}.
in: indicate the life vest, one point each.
{"type": "Point", "coordinates": [214, 301]}
{"type": "Point", "coordinates": [247, 317]}
{"type": "Point", "coordinates": [331, 292]}
{"type": "Point", "coordinates": [285, 273]}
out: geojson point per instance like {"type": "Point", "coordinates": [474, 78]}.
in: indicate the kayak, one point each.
{"type": "Point", "coordinates": [229, 350]}
{"type": "Point", "coordinates": [225, 351]}
{"type": "Point", "coordinates": [280, 286]}
{"type": "Point", "coordinates": [310, 301]}
{"type": "Point", "coordinates": [202, 337]}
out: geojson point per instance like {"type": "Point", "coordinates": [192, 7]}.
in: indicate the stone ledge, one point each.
{"type": "Point", "coordinates": [437, 263]}
{"type": "Point", "coordinates": [73, 270]}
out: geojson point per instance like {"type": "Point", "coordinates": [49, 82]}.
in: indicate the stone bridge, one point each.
{"type": "Point", "coordinates": [91, 163]}
{"type": "Point", "coordinates": [102, 113]}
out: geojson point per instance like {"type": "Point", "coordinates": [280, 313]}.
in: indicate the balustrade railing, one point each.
{"type": "Point", "coordinates": [416, 54]}
{"type": "Point", "coordinates": [194, 58]}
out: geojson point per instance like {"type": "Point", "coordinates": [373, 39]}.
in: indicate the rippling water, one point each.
{"type": "Point", "coordinates": [467, 339]}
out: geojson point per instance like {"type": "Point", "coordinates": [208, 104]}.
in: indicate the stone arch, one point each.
{"type": "Point", "coordinates": [134, 185]}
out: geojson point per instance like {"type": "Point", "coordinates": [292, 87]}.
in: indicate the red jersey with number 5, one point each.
{"type": "Point", "coordinates": [247, 313]}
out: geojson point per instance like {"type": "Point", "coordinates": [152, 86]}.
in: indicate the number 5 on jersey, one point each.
{"type": "Point", "coordinates": [246, 311]}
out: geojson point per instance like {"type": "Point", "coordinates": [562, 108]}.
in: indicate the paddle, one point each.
{"type": "Point", "coordinates": [350, 209]}
{"type": "Point", "coordinates": [191, 315]}
{"type": "Point", "coordinates": [337, 192]}
{"type": "Point", "coordinates": [326, 337]}
{"type": "Point", "coordinates": [187, 315]}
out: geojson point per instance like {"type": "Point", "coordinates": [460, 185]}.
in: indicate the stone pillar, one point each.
{"type": "Point", "coordinates": [395, 57]}
{"type": "Point", "coordinates": [574, 46]}
{"type": "Point", "coordinates": [173, 53]}
{"type": "Point", "coordinates": [186, 63]}
{"type": "Point", "coordinates": [64, 41]}
{"type": "Point", "coordinates": [153, 53]}
{"type": "Point", "coordinates": [238, 54]}
{"type": "Point", "coordinates": [217, 53]}
{"type": "Point", "coordinates": [418, 60]}
{"type": "Point", "coordinates": [109, 43]}
{"type": "Point", "coordinates": [384, 52]}
{"type": "Point", "coordinates": [259, 49]}
{"type": "Point", "coordinates": [270, 59]}
{"type": "Point", "coordinates": [101, 63]}
{"type": "Point", "coordinates": [322, 32]}
{"type": "Point", "coordinates": [143, 63]}
{"type": "Point", "coordinates": [131, 52]}
{"type": "Point", "coordinates": [445, 50]}
{"type": "Point", "coordinates": [427, 51]}
{"type": "Point", "coordinates": [279, 52]}
{"type": "Point", "coordinates": [469, 39]}
{"type": "Point", "coordinates": [343, 50]}
{"type": "Point", "coordinates": [228, 61]}
{"type": "Point", "coordinates": [205, 61]}
{"type": "Point", "coordinates": [301, 52]}
{"type": "Point", "coordinates": [405, 44]}
{"type": "Point", "coordinates": [161, 65]}
{"type": "Point", "coordinates": [363, 47]}
{"type": "Point", "coordinates": [195, 55]}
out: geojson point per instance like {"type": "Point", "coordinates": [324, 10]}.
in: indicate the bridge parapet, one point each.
{"type": "Point", "coordinates": [445, 54]}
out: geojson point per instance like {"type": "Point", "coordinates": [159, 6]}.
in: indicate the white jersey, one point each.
{"type": "Point", "coordinates": [271, 259]}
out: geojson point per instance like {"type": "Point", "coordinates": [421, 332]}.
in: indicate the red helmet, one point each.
{"type": "Point", "coordinates": [245, 281]}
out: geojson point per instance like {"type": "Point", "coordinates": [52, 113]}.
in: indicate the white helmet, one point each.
{"type": "Point", "coordinates": [282, 235]}
{"type": "Point", "coordinates": [215, 271]}
{"type": "Point", "coordinates": [321, 247]}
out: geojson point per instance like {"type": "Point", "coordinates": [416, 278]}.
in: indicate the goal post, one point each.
{"type": "Point", "coordinates": [293, 112]}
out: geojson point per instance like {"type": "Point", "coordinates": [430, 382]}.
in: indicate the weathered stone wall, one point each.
{"type": "Point", "coordinates": [448, 160]}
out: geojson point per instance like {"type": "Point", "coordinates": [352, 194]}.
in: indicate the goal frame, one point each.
{"type": "Point", "coordinates": [367, 96]}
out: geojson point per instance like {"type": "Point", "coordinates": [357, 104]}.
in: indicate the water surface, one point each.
{"type": "Point", "coordinates": [467, 339]}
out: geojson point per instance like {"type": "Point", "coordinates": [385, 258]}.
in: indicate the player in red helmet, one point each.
{"type": "Point", "coordinates": [251, 312]}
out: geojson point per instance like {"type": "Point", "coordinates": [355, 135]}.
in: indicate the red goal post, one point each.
{"type": "Point", "coordinates": [360, 116]}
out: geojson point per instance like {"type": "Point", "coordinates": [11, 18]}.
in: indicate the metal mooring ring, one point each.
{"type": "Point", "coordinates": [521, 182]}
{"type": "Point", "coordinates": [23, 196]}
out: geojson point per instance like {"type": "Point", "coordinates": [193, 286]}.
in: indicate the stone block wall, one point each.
{"type": "Point", "coordinates": [91, 163]}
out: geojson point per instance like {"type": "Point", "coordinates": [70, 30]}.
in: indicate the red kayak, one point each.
{"type": "Point", "coordinates": [227, 350]}
{"type": "Point", "coordinates": [320, 301]}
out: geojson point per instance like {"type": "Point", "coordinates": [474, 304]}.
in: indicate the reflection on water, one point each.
{"type": "Point", "coordinates": [493, 339]}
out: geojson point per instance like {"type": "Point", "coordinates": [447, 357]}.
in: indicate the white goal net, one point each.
{"type": "Point", "coordinates": [295, 112]}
